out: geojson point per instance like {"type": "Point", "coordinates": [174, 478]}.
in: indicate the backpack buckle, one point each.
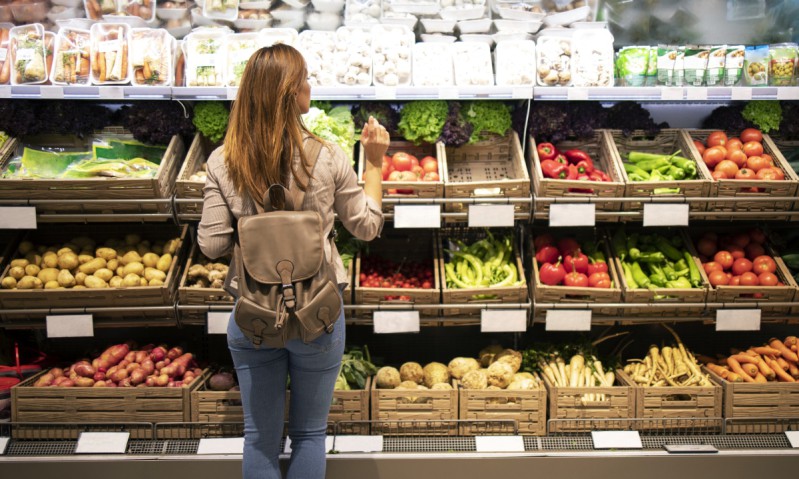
{"type": "Point", "coordinates": [288, 296]}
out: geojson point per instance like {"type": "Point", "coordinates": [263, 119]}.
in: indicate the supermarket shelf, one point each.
{"type": "Point", "coordinates": [664, 93]}
{"type": "Point", "coordinates": [105, 317]}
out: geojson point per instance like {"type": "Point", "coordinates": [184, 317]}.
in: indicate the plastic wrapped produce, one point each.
{"type": "Point", "coordinates": [515, 63]}
{"type": "Point", "coordinates": [151, 56]}
{"type": "Point", "coordinates": [592, 58]}
{"type": "Point", "coordinates": [318, 48]}
{"type": "Point", "coordinates": [362, 13]}
{"type": "Point", "coordinates": [432, 64]}
{"type": "Point", "coordinates": [463, 9]}
{"type": "Point", "coordinates": [391, 50]}
{"type": "Point", "coordinates": [271, 36]}
{"type": "Point", "coordinates": [782, 64]}
{"type": "Point", "coordinates": [72, 54]}
{"type": "Point", "coordinates": [472, 62]}
{"type": "Point", "coordinates": [733, 65]}
{"type": "Point", "coordinates": [95, 9]}
{"type": "Point", "coordinates": [353, 57]}
{"type": "Point", "coordinates": [110, 53]}
{"type": "Point", "coordinates": [714, 74]}
{"type": "Point", "coordinates": [221, 9]}
{"type": "Point", "coordinates": [632, 64]}
{"type": "Point", "coordinates": [240, 47]}
{"type": "Point", "coordinates": [27, 55]}
{"type": "Point", "coordinates": [554, 57]}
{"type": "Point", "coordinates": [695, 64]}
{"type": "Point", "coordinates": [205, 58]}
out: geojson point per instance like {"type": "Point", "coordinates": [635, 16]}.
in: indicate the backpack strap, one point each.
{"type": "Point", "coordinates": [312, 149]}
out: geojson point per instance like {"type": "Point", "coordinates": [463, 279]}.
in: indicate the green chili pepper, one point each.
{"type": "Point", "coordinates": [667, 249]}
{"type": "Point", "coordinates": [628, 276]}
{"type": "Point", "coordinates": [693, 270]}
{"type": "Point", "coordinates": [639, 276]}
{"type": "Point", "coordinates": [679, 283]}
{"type": "Point", "coordinates": [631, 169]}
{"type": "Point", "coordinates": [649, 165]}
{"type": "Point", "coordinates": [619, 242]}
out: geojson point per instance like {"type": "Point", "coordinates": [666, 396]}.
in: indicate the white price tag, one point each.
{"type": "Point", "coordinates": [328, 444]}
{"type": "Point", "coordinates": [417, 216]}
{"type": "Point", "coordinates": [572, 215]}
{"type": "Point", "coordinates": [5, 91]}
{"type": "Point", "coordinates": [106, 46]}
{"type": "Point", "coordinates": [662, 214]}
{"type": "Point", "coordinates": [490, 216]}
{"type": "Point", "coordinates": [671, 93]}
{"type": "Point", "coordinates": [3, 54]}
{"type": "Point", "coordinates": [359, 443]}
{"type": "Point", "coordinates": [690, 448]}
{"type": "Point", "coordinates": [51, 92]}
{"type": "Point", "coordinates": [577, 94]}
{"type": "Point", "coordinates": [503, 321]}
{"type": "Point", "coordinates": [696, 93]}
{"type": "Point", "coordinates": [70, 326]}
{"type": "Point", "coordinates": [385, 93]}
{"type": "Point", "coordinates": [388, 322]}
{"type": "Point", "coordinates": [788, 93]}
{"type": "Point", "coordinates": [232, 92]}
{"type": "Point", "coordinates": [738, 320]}
{"type": "Point", "coordinates": [616, 440]}
{"type": "Point", "coordinates": [3, 444]}
{"type": "Point", "coordinates": [111, 92]}
{"type": "Point", "coordinates": [521, 92]}
{"type": "Point", "coordinates": [499, 443]}
{"type": "Point", "coordinates": [25, 54]}
{"type": "Point", "coordinates": [221, 445]}
{"type": "Point", "coordinates": [17, 218]}
{"type": "Point", "coordinates": [102, 443]}
{"type": "Point", "coordinates": [740, 93]}
{"type": "Point", "coordinates": [568, 320]}
{"type": "Point", "coordinates": [218, 321]}
{"type": "Point", "coordinates": [793, 438]}
{"type": "Point", "coordinates": [448, 93]}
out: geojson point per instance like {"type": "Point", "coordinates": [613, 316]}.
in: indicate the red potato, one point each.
{"type": "Point", "coordinates": [125, 383]}
{"type": "Point", "coordinates": [138, 376]}
{"type": "Point", "coordinates": [198, 371]}
{"type": "Point", "coordinates": [110, 384]}
{"type": "Point", "coordinates": [158, 354]}
{"type": "Point", "coordinates": [141, 356]}
{"type": "Point", "coordinates": [148, 348]}
{"type": "Point", "coordinates": [99, 376]}
{"type": "Point", "coordinates": [112, 356]}
{"type": "Point", "coordinates": [150, 382]}
{"type": "Point", "coordinates": [99, 384]}
{"type": "Point", "coordinates": [123, 364]}
{"type": "Point", "coordinates": [174, 353]}
{"type": "Point", "coordinates": [45, 380]}
{"type": "Point", "coordinates": [119, 375]}
{"type": "Point", "coordinates": [111, 371]}
{"type": "Point", "coordinates": [84, 369]}
{"type": "Point", "coordinates": [160, 365]}
{"type": "Point", "coordinates": [84, 382]}
{"type": "Point", "coordinates": [67, 383]}
{"type": "Point", "coordinates": [130, 357]}
{"type": "Point", "coordinates": [178, 366]}
{"type": "Point", "coordinates": [57, 372]}
{"type": "Point", "coordinates": [133, 366]}
{"type": "Point", "coordinates": [162, 380]}
{"type": "Point", "coordinates": [148, 366]}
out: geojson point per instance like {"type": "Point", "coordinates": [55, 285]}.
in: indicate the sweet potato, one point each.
{"type": "Point", "coordinates": [45, 380]}
{"type": "Point", "coordinates": [141, 356]}
{"type": "Point", "coordinates": [158, 353]}
{"type": "Point", "coordinates": [138, 376]}
{"type": "Point", "coordinates": [174, 353]}
{"type": "Point", "coordinates": [112, 356]}
{"type": "Point", "coordinates": [84, 369]}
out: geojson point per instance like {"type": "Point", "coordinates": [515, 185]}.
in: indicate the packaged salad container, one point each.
{"type": "Point", "coordinates": [592, 58]}
{"type": "Point", "coordinates": [472, 62]}
{"type": "Point", "coordinates": [205, 58]}
{"type": "Point", "coordinates": [28, 55]}
{"type": "Point", "coordinates": [110, 53]}
{"type": "Point", "coordinates": [515, 60]}
{"type": "Point", "coordinates": [391, 55]}
{"type": "Point", "coordinates": [71, 65]}
{"type": "Point", "coordinates": [144, 9]}
{"type": "Point", "coordinates": [782, 64]}
{"type": "Point", "coordinates": [240, 47]}
{"type": "Point", "coordinates": [221, 9]}
{"type": "Point", "coordinates": [432, 64]}
{"type": "Point", "coordinates": [632, 65]}
{"type": "Point", "coordinates": [733, 64]}
{"type": "Point", "coordinates": [714, 75]}
{"type": "Point", "coordinates": [5, 56]}
{"type": "Point", "coordinates": [151, 56]}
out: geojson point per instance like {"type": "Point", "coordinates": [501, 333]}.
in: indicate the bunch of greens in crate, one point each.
{"type": "Point", "coordinates": [487, 263]}
{"type": "Point", "coordinates": [453, 123]}
{"type": "Point", "coordinates": [356, 368]}
{"type": "Point", "coordinates": [348, 245]}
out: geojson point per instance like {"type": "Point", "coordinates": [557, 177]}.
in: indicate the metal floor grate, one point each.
{"type": "Point", "coordinates": [532, 443]}
{"type": "Point", "coordinates": [148, 448]}
{"type": "Point", "coordinates": [41, 448]}
{"type": "Point", "coordinates": [428, 444]}
{"type": "Point", "coordinates": [567, 443]}
{"type": "Point", "coordinates": [181, 446]}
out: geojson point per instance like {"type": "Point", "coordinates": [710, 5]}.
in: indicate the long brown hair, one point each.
{"type": "Point", "coordinates": [265, 130]}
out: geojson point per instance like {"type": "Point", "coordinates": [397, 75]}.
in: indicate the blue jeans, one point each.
{"type": "Point", "coordinates": [262, 375]}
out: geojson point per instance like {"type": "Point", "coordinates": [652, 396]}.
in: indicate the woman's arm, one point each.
{"type": "Point", "coordinates": [215, 232]}
{"type": "Point", "coordinates": [374, 141]}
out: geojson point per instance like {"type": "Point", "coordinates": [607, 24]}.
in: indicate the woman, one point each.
{"type": "Point", "coordinates": [264, 146]}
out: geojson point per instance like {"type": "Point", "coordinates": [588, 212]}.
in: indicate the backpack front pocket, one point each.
{"type": "Point", "coordinates": [259, 324]}
{"type": "Point", "coordinates": [321, 314]}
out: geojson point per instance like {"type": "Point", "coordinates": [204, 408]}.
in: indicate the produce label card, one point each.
{"type": "Point", "coordinates": [577, 94]}
{"type": "Point", "coordinates": [664, 214]}
{"type": "Point", "coordinates": [51, 92]}
{"type": "Point", "coordinates": [18, 217]}
{"type": "Point", "coordinates": [521, 92]}
{"type": "Point", "coordinates": [788, 93]}
{"type": "Point", "coordinates": [793, 438]}
{"type": "Point", "coordinates": [503, 321]}
{"type": "Point", "coordinates": [218, 321]}
{"type": "Point", "coordinates": [70, 326]}
{"type": "Point", "coordinates": [696, 93]}
{"type": "Point", "coordinates": [490, 216]}
{"type": "Point", "coordinates": [110, 92]}
{"type": "Point", "coordinates": [740, 93]}
{"type": "Point", "coordinates": [385, 93]}
{"type": "Point", "coordinates": [232, 93]}
{"type": "Point", "coordinates": [568, 320]}
{"type": "Point", "coordinates": [499, 443]}
{"type": "Point", "coordinates": [359, 443]}
{"type": "Point", "coordinates": [221, 445]}
{"type": "Point", "coordinates": [417, 216]}
{"type": "Point", "coordinates": [102, 443]}
{"type": "Point", "coordinates": [616, 440]}
{"type": "Point", "coordinates": [572, 215]}
{"type": "Point", "coordinates": [3, 444]}
{"type": "Point", "coordinates": [389, 322]}
{"type": "Point", "coordinates": [738, 320]}
{"type": "Point", "coordinates": [328, 445]}
{"type": "Point", "coordinates": [671, 93]}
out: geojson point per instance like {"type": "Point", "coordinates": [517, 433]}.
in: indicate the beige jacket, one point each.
{"type": "Point", "coordinates": [333, 189]}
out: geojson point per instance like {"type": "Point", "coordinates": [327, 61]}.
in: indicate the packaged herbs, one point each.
{"type": "Point", "coordinates": [72, 53]}
{"type": "Point", "coordinates": [633, 65]}
{"type": "Point", "coordinates": [666, 57]}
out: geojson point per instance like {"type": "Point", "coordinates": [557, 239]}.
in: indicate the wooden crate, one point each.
{"type": "Point", "coordinates": [774, 400]}
{"type": "Point", "coordinates": [107, 297]}
{"type": "Point", "coordinates": [567, 403]}
{"type": "Point", "coordinates": [600, 148]}
{"type": "Point", "coordinates": [185, 189]}
{"type": "Point", "coordinates": [644, 295]}
{"type": "Point", "coordinates": [489, 169]}
{"type": "Point", "coordinates": [414, 413]}
{"type": "Point", "coordinates": [98, 405]}
{"type": "Point", "coordinates": [543, 293]}
{"type": "Point", "coordinates": [402, 248]}
{"type": "Point", "coordinates": [188, 295]}
{"type": "Point", "coordinates": [9, 240]}
{"type": "Point", "coordinates": [666, 142]}
{"type": "Point", "coordinates": [690, 402]}
{"type": "Point", "coordinates": [734, 188]}
{"type": "Point", "coordinates": [506, 294]}
{"type": "Point", "coordinates": [161, 186]}
{"type": "Point", "coordinates": [414, 189]}
{"type": "Point", "coordinates": [786, 148]}
{"type": "Point", "coordinates": [527, 407]}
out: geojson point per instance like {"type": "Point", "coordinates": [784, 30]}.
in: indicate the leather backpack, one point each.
{"type": "Point", "coordinates": [286, 287]}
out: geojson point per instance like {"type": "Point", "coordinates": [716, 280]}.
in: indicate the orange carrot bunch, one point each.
{"type": "Point", "coordinates": [776, 361]}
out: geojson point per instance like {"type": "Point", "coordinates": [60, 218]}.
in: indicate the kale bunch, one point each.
{"type": "Point", "coordinates": [628, 116]}
{"type": "Point", "coordinates": [789, 127]}
{"type": "Point", "coordinates": [456, 130]}
{"type": "Point", "coordinates": [727, 118]}
{"type": "Point", "coordinates": [383, 112]}
{"type": "Point", "coordinates": [72, 117]}
{"type": "Point", "coordinates": [155, 122]}
{"type": "Point", "coordinates": [18, 117]}
{"type": "Point", "coordinates": [553, 121]}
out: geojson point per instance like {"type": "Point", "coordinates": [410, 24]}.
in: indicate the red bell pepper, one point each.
{"type": "Point", "coordinates": [575, 156]}
{"type": "Point", "coordinates": [583, 177]}
{"type": "Point", "coordinates": [561, 158]}
{"type": "Point", "coordinates": [552, 169]}
{"type": "Point", "coordinates": [572, 172]}
{"type": "Point", "coordinates": [595, 175]}
{"type": "Point", "coordinates": [546, 151]}
{"type": "Point", "coordinates": [604, 175]}
{"type": "Point", "coordinates": [585, 166]}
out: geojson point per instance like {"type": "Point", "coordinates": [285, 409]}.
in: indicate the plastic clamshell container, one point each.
{"type": "Point", "coordinates": [137, 8]}
{"type": "Point", "coordinates": [260, 5]}
{"type": "Point", "coordinates": [205, 58]}
{"type": "Point", "coordinates": [509, 13]}
{"type": "Point", "coordinates": [404, 19]}
{"type": "Point", "coordinates": [221, 9]}
{"type": "Point", "coordinates": [68, 3]}
{"type": "Point", "coordinates": [79, 23]}
{"type": "Point", "coordinates": [353, 56]}
{"type": "Point", "coordinates": [5, 51]}
{"type": "Point", "coordinates": [579, 14]}
{"type": "Point", "coordinates": [432, 64]}
{"type": "Point", "coordinates": [414, 7]}
{"type": "Point", "coordinates": [392, 52]}
{"type": "Point", "coordinates": [30, 11]}
{"type": "Point", "coordinates": [318, 48]}
{"type": "Point", "coordinates": [181, 31]}
{"type": "Point", "coordinates": [96, 10]}
{"type": "Point", "coordinates": [71, 46]}
{"type": "Point", "coordinates": [589, 25]}
{"type": "Point", "coordinates": [271, 36]}
{"type": "Point", "coordinates": [471, 12]}
{"type": "Point", "coordinates": [437, 38]}
{"type": "Point", "coordinates": [297, 3]}
{"type": "Point", "coordinates": [510, 37]}
{"type": "Point", "coordinates": [110, 39]}
{"type": "Point", "coordinates": [328, 6]}
{"type": "Point", "coordinates": [478, 37]}
{"type": "Point", "coordinates": [61, 13]}
{"type": "Point", "coordinates": [240, 47]}
{"type": "Point", "coordinates": [481, 25]}
{"type": "Point", "coordinates": [592, 58]}
{"type": "Point", "coordinates": [362, 13]}
{"type": "Point", "coordinates": [437, 25]}
{"type": "Point", "coordinates": [553, 45]}
{"type": "Point", "coordinates": [175, 13]}
{"type": "Point", "coordinates": [327, 21]}
{"type": "Point", "coordinates": [29, 42]}
{"type": "Point", "coordinates": [287, 14]}
{"type": "Point", "coordinates": [151, 57]}
{"type": "Point", "coordinates": [517, 26]}
{"type": "Point", "coordinates": [515, 63]}
{"type": "Point", "coordinates": [130, 20]}
{"type": "Point", "coordinates": [472, 62]}
{"type": "Point", "coordinates": [252, 24]}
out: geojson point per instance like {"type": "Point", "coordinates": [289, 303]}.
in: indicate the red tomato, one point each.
{"type": "Point", "coordinates": [394, 176]}
{"type": "Point", "coordinates": [756, 163]}
{"type": "Point", "coordinates": [735, 281]}
{"type": "Point", "coordinates": [746, 174]}
{"type": "Point", "coordinates": [728, 167]}
{"type": "Point", "coordinates": [780, 174]}
{"type": "Point", "coordinates": [768, 279]}
{"type": "Point", "coordinates": [769, 174]}
{"type": "Point", "coordinates": [576, 279]}
{"type": "Point", "coordinates": [734, 144]}
{"type": "Point", "coordinates": [599, 280]}
{"type": "Point", "coordinates": [402, 161]}
{"type": "Point", "coordinates": [736, 251]}
{"type": "Point", "coordinates": [724, 258]}
{"type": "Point", "coordinates": [712, 156]}
{"type": "Point", "coordinates": [427, 159]}
{"type": "Point", "coordinates": [741, 239]}
{"type": "Point", "coordinates": [414, 161]}
{"type": "Point", "coordinates": [741, 266]}
{"type": "Point", "coordinates": [418, 170]}
{"type": "Point", "coordinates": [712, 266]}
{"type": "Point", "coordinates": [768, 158]}
{"type": "Point", "coordinates": [432, 176]}
{"type": "Point", "coordinates": [764, 264]}
{"type": "Point", "coordinates": [429, 165]}
{"type": "Point", "coordinates": [707, 247]}
{"type": "Point", "coordinates": [753, 148]}
{"type": "Point", "coordinates": [737, 156]}
{"type": "Point", "coordinates": [749, 279]}
{"type": "Point", "coordinates": [717, 138]}
{"type": "Point", "coordinates": [751, 134]}
{"type": "Point", "coordinates": [757, 235]}
{"type": "Point", "coordinates": [753, 250]}
{"type": "Point", "coordinates": [719, 175]}
{"type": "Point", "coordinates": [699, 146]}
{"type": "Point", "coordinates": [387, 169]}
{"type": "Point", "coordinates": [718, 278]}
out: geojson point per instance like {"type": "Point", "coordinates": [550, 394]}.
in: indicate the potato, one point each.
{"type": "Point", "coordinates": [132, 239]}
{"type": "Point", "coordinates": [79, 286]}
{"type": "Point", "coordinates": [34, 258]}
{"type": "Point", "coordinates": [68, 261]}
{"type": "Point", "coordinates": [171, 246]}
{"type": "Point", "coordinates": [28, 282]}
{"type": "Point", "coordinates": [48, 274]}
{"type": "Point", "coordinates": [17, 272]}
{"type": "Point", "coordinates": [32, 270]}
{"type": "Point", "coordinates": [104, 273]}
{"type": "Point", "coordinates": [143, 282]}
{"type": "Point", "coordinates": [66, 279]}
{"type": "Point", "coordinates": [68, 247]}
{"type": "Point", "coordinates": [80, 278]}
{"type": "Point", "coordinates": [8, 283]}
{"type": "Point", "coordinates": [84, 258]}
{"type": "Point", "coordinates": [21, 262]}
{"type": "Point", "coordinates": [25, 247]}
{"type": "Point", "coordinates": [150, 260]}
{"type": "Point", "coordinates": [131, 280]}
{"type": "Point", "coordinates": [51, 285]}
{"type": "Point", "coordinates": [50, 260]}
{"type": "Point", "coordinates": [116, 282]}
{"type": "Point", "coordinates": [64, 251]}
{"type": "Point", "coordinates": [135, 268]}
{"type": "Point", "coordinates": [119, 271]}
{"type": "Point", "coordinates": [112, 264]}
{"type": "Point", "coordinates": [130, 257]}
{"type": "Point", "coordinates": [92, 266]}
{"type": "Point", "coordinates": [94, 282]}
{"type": "Point", "coordinates": [152, 273]}
{"type": "Point", "coordinates": [106, 253]}
{"type": "Point", "coordinates": [164, 262]}
{"type": "Point", "coordinates": [155, 282]}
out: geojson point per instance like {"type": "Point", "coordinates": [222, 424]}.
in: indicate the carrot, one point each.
{"type": "Point", "coordinates": [782, 375]}
{"type": "Point", "coordinates": [736, 368]}
{"type": "Point", "coordinates": [765, 369]}
{"type": "Point", "coordinates": [786, 353]}
{"type": "Point", "coordinates": [791, 341]}
{"type": "Point", "coordinates": [764, 350]}
{"type": "Point", "coordinates": [782, 363]}
{"type": "Point", "coordinates": [745, 358]}
{"type": "Point", "coordinates": [734, 377]}
{"type": "Point", "coordinates": [759, 378]}
{"type": "Point", "coordinates": [793, 370]}
{"type": "Point", "coordinates": [721, 371]}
